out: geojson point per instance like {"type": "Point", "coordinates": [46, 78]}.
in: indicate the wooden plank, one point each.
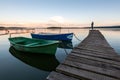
{"type": "Point", "coordinates": [104, 71]}
{"type": "Point", "coordinates": [93, 54]}
{"type": "Point", "coordinates": [94, 41]}
{"type": "Point", "coordinates": [96, 52]}
{"type": "Point", "coordinates": [93, 62]}
{"type": "Point", "coordinates": [95, 38]}
{"type": "Point", "coordinates": [98, 59]}
{"type": "Point", "coordinates": [58, 76]}
{"type": "Point", "coordinates": [96, 45]}
{"type": "Point", "coordinates": [78, 73]}
{"type": "Point", "coordinates": [102, 50]}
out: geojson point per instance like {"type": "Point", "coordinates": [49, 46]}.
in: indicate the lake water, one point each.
{"type": "Point", "coordinates": [15, 65]}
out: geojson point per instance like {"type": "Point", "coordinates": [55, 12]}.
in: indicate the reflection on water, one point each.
{"type": "Point", "coordinates": [66, 45]}
{"type": "Point", "coordinates": [15, 65]}
{"type": "Point", "coordinates": [40, 61]}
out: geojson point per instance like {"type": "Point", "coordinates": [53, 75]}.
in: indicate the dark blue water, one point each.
{"type": "Point", "coordinates": [16, 65]}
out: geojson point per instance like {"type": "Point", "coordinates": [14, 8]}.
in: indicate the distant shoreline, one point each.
{"type": "Point", "coordinates": [16, 28]}
{"type": "Point", "coordinates": [82, 27]}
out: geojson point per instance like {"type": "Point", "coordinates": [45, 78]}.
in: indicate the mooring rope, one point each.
{"type": "Point", "coordinates": [64, 48]}
{"type": "Point", "coordinates": [77, 37]}
{"type": "Point", "coordinates": [65, 51]}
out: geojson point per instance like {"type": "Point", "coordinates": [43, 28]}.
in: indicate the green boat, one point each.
{"type": "Point", "coordinates": [34, 45]}
{"type": "Point", "coordinates": [40, 61]}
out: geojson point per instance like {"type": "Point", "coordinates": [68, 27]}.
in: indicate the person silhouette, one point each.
{"type": "Point", "coordinates": [92, 24]}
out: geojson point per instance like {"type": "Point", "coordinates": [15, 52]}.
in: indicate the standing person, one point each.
{"type": "Point", "coordinates": [92, 24]}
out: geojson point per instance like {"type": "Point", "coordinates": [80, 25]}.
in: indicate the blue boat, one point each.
{"type": "Point", "coordinates": [49, 36]}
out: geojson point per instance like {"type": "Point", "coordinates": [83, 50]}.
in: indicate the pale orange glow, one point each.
{"type": "Point", "coordinates": [47, 24]}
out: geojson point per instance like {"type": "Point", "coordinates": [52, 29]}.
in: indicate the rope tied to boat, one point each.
{"type": "Point", "coordinates": [66, 51]}
{"type": "Point", "coordinates": [77, 37]}
{"type": "Point", "coordinates": [64, 48]}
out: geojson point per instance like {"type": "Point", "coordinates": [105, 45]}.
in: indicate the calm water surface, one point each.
{"type": "Point", "coordinates": [15, 65]}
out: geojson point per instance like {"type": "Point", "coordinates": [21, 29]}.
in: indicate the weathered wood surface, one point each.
{"type": "Point", "coordinates": [59, 76]}
{"type": "Point", "coordinates": [92, 59]}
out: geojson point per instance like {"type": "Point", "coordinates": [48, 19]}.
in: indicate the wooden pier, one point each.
{"type": "Point", "coordinates": [92, 59]}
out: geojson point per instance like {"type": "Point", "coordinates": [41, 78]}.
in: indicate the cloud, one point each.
{"type": "Point", "coordinates": [57, 19]}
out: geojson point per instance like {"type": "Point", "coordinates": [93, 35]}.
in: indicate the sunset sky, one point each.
{"type": "Point", "coordinates": [102, 12]}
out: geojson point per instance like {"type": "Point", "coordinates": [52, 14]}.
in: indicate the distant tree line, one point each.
{"type": "Point", "coordinates": [13, 28]}
{"type": "Point", "coordinates": [53, 27]}
{"type": "Point", "coordinates": [2, 28]}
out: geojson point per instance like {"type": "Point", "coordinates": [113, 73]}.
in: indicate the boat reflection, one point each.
{"type": "Point", "coordinates": [65, 45]}
{"type": "Point", "coordinates": [40, 61]}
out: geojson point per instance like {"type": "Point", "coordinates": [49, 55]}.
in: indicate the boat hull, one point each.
{"type": "Point", "coordinates": [46, 49]}
{"type": "Point", "coordinates": [62, 37]}
{"type": "Point", "coordinates": [51, 49]}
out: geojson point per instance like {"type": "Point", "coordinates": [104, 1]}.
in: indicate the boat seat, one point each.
{"type": "Point", "coordinates": [32, 44]}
